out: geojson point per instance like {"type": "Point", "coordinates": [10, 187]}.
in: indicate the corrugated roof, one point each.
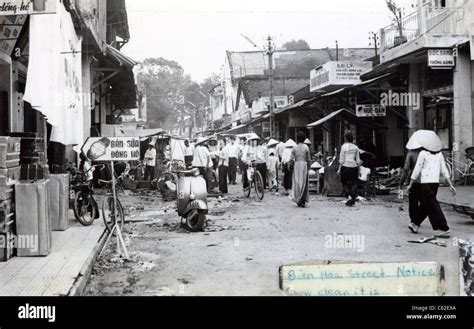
{"type": "Point", "coordinates": [256, 88]}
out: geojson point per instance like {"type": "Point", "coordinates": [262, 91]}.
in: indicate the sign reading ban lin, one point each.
{"type": "Point", "coordinates": [112, 149]}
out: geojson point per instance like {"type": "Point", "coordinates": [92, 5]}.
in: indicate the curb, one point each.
{"type": "Point", "coordinates": [80, 282]}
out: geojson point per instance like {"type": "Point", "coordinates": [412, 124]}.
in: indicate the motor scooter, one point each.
{"type": "Point", "coordinates": [192, 199]}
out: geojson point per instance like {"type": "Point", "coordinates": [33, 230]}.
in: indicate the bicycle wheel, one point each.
{"type": "Point", "coordinates": [84, 208]}
{"type": "Point", "coordinates": [247, 190]}
{"type": "Point", "coordinates": [259, 188]}
{"type": "Point", "coordinates": [108, 213]}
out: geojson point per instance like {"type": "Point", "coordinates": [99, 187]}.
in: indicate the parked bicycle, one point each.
{"type": "Point", "coordinates": [464, 169]}
{"type": "Point", "coordinates": [255, 181]}
{"type": "Point", "coordinates": [112, 212]}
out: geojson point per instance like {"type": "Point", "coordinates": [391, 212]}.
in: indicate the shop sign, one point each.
{"type": "Point", "coordinates": [27, 7]}
{"type": "Point", "coordinates": [297, 120]}
{"type": "Point", "coordinates": [338, 74]}
{"type": "Point", "coordinates": [371, 110]}
{"type": "Point", "coordinates": [440, 58]}
{"type": "Point", "coordinates": [112, 148]}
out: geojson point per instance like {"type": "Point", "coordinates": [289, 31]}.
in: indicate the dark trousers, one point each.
{"type": "Point", "coordinates": [203, 173]}
{"type": "Point", "coordinates": [349, 179]}
{"type": "Point", "coordinates": [262, 169]}
{"type": "Point", "coordinates": [232, 170]}
{"type": "Point", "coordinates": [287, 178]}
{"type": "Point", "coordinates": [432, 207]}
{"type": "Point", "coordinates": [149, 173]}
{"type": "Point", "coordinates": [223, 172]}
{"type": "Point", "coordinates": [417, 212]}
{"type": "Point", "coordinates": [188, 160]}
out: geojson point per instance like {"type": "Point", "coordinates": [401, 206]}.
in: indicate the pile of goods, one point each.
{"type": "Point", "coordinates": [9, 176]}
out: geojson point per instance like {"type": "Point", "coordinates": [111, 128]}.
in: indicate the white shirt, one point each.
{"type": "Point", "coordinates": [272, 163]}
{"type": "Point", "coordinates": [234, 150]}
{"type": "Point", "coordinates": [249, 153]}
{"type": "Point", "coordinates": [261, 154]}
{"type": "Point", "coordinates": [430, 167]}
{"type": "Point", "coordinates": [350, 156]}
{"type": "Point", "coordinates": [286, 156]}
{"type": "Point", "coordinates": [202, 157]}
{"type": "Point", "coordinates": [189, 151]}
{"type": "Point", "coordinates": [224, 156]}
{"type": "Point", "coordinates": [150, 157]}
{"type": "Point", "coordinates": [280, 149]}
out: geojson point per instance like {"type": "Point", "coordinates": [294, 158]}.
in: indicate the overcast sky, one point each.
{"type": "Point", "coordinates": [196, 34]}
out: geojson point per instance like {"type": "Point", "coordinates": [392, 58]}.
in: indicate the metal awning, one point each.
{"type": "Point", "coordinates": [120, 58]}
{"type": "Point", "coordinates": [349, 116]}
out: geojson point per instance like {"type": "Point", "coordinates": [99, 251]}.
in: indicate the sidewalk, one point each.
{"type": "Point", "coordinates": [72, 256]}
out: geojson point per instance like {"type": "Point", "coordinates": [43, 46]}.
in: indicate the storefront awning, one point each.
{"type": "Point", "coordinates": [349, 116]}
{"type": "Point", "coordinates": [118, 70]}
{"type": "Point", "coordinates": [234, 129]}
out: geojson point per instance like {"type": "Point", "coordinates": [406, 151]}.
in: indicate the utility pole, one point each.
{"type": "Point", "coordinates": [270, 51]}
{"type": "Point", "coordinates": [374, 38]}
{"type": "Point", "coordinates": [337, 51]}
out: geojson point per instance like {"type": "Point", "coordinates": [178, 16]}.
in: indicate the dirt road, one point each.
{"type": "Point", "coordinates": [246, 241]}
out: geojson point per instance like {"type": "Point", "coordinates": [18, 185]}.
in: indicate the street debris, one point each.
{"type": "Point", "coordinates": [433, 240]}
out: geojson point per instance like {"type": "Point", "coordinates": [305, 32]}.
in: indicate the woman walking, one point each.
{"type": "Point", "coordinates": [349, 162]}
{"type": "Point", "coordinates": [301, 157]}
{"type": "Point", "coordinates": [429, 167]}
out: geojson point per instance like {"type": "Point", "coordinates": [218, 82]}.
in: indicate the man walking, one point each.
{"type": "Point", "coordinates": [233, 152]}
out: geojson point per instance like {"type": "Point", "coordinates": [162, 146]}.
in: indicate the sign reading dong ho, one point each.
{"type": "Point", "coordinates": [333, 75]}
{"type": "Point", "coordinates": [112, 148]}
{"type": "Point", "coordinates": [26, 7]}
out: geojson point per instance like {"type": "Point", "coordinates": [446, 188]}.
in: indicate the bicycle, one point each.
{"type": "Point", "coordinates": [465, 170]}
{"type": "Point", "coordinates": [111, 211]}
{"type": "Point", "coordinates": [255, 181]}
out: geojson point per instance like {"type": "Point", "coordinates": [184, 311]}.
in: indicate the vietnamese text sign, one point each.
{"type": "Point", "coordinates": [440, 58]}
{"type": "Point", "coordinates": [26, 7]}
{"type": "Point", "coordinates": [341, 73]}
{"type": "Point", "coordinates": [371, 110]}
{"type": "Point", "coordinates": [112, 148]}
{"type": "Point", "coordinates": [362, 279]}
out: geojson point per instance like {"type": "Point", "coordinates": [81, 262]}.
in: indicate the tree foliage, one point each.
{"type": "Point", "coordinates": [296, 45]}
{"type": "Point", "coordinates": [171, 94]}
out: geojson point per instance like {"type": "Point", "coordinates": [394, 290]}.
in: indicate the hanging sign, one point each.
{"type": "Point", "coordinates": [112, 148]}
{"type": "Point", "coordinates": [371, 110]}
{"type": "Point", "coordinates": [27, 7]}
{"type": "Point", "coordinates": [440, 58]}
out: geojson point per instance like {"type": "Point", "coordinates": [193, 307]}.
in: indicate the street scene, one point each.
{"type": "Point", "coordinates": [172, 148]}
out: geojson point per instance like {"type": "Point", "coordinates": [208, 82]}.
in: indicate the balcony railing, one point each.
{"type": "Point", "coordinates": [430, 21]}
{"type": "Point", "coordinates": [406, 30]}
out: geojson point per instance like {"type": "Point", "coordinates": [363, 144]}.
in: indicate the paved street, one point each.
{"type": "Point", "coordinates": [247, 241]}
